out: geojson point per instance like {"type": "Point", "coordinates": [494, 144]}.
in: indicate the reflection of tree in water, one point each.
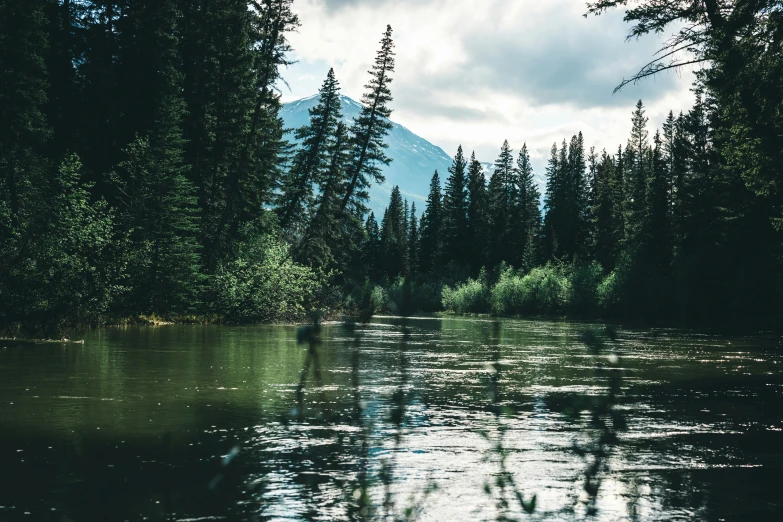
{"type": "Point", "coordinates": [359, 501]}
{"type": "Point", "coordinates": [369, 491]}
{"type": "Point", "coordinates": [504, 490]}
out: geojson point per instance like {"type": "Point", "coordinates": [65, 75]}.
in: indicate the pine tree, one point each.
{"type": "Point", "coordinates": [394, 236]}
{"type": "Point", "coordinates": [478, 225]}
{"type": "Point", "coordinates": [657, 233]}
{"type": "Point", "coordinates": [413, 242]}
{"type": "Point", "coordinates": [260, 160]}
{"type": "Point", "coordinates": [312, 158]}
{"type": "Point", "coordinates": [678, 161]}
{"type": "Point", "coordinates": [386, 244]}
{"type": "Point", "coordinates": [108, 121]}
{"type": "Point", "coordinates": [370, 129]}
{"type": "Point", "coordinates": [372, 247]}
{"type": "Point", "coordinates": [326, 240]}
{"type": "Point", "coordinates": [637, 169]}
{"type": "Point", "coordinates": [579, 199]}
{"type": "Point", "coordinates": [219, 89]}
{"type": "Point", "coordinates": [567, 202]}
{"type": "Point", "coordinates": [502, 197]}
{"type": "Point", "coordinates": [529, 213]}
{"type": "Point", "coordinates": [605, 214]}
{"type": "Point", "coordinates": [160, 204]}
{"type": "Point", "coordinates": [61, 108]}
{"type": "Point", "coordinates": [432, 229]}
{"type": "Point", "coordinates": [553, 205]}
{"type": "Point", "coordinates": [455, 212]}
{"type": "Point", "coordinates": [24, 131]}
{"type": "Point", "coordinates": [24, 136]}
{"type": "Point", "coordinates": [618, 193]}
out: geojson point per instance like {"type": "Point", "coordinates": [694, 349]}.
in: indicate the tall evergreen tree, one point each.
{"type": "Point", "coordinates": [326, 240]}
{"type": "Point", "coordinates": [219, 88]}
{"type": "Point", "coordinates": [605, 213]}
{"type": "Point", "coordinates": [371, 250]}
{"type": "Point", "coordinates": [478, 224]}
{"type": "Point", "coordinates": [260, 159]}
{"type": "Point", "coordinates": [553, 204]}
{"type": "Point", "coordinates": [312, 158]}
{"type": "Point", "coordinates": [413, 241]}
{"type": "Point", "coordinates": [61, 108]}
{"type": "Point", "coordinates": [432, 228]}
{"type": "Point", "coordinates": [455, 212]}
{"type": "Point", "coordinates": [578, 198]}
{"type": "Point", "coordinates": [24, 131]}
{"type": "Point", "coordinates": [502, 196]}
{"type": "Point", "coordinates": [160, 204]}
{"type": "Point", "coordinates": [529, 213]}
{"type": "Point", "coordinates": [637, 171]}
{"type": "Point", "coordinates": [656, 230]}
{"type": "Point", "coordinates": [394, 236]}
{"type": "Point", "coordinates": [370, 128]}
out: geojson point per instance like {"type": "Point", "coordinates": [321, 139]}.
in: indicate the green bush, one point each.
{"type": "Point", "coordinates": [427, 296]}
{"type": "Point", "coordinates": [551, 289]}
{"type": "Point", "coordinates": [264, 284]}
{"type": "Point", "coordinates": [59, 260]}
{"type": "Point", "coordinates": [554, 290]}
{"type": "Point", "coordinates": [469, 297]}
{"type": "Point", "coordinates": [585, 281]}
{"type": "Point", "coordinates": [380, 300]}
{"type": "Point", "coordinates": [512, 294]}
{"type": "Point", "coordinates": [611, 292]}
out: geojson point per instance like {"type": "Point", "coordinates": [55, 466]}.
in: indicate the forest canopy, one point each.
{"type": "Point", "coordinates": [145, 171]}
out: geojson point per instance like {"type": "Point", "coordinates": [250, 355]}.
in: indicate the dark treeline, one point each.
{"type": "Point", "coordinates": [658, 228]}
{"type": "Point", "coordinates": [145, 169]}
{"type": "Point", "coordinates": [682, 224]}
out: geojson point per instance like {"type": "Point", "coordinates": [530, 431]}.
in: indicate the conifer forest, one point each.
{"type": "Point", "coordinates": [147, 175]}
{"type": "Point", "coordinates": [226, 296]}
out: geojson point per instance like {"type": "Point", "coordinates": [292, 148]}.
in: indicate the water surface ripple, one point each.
{"type": "Point", "coordinates": [242, 423]}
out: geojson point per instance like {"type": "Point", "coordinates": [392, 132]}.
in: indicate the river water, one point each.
{"type": "Point", "coordinates": [439, 419]}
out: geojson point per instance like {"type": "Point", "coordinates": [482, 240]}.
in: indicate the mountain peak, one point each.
{"type": "Point", "coordinates": [414, 159]}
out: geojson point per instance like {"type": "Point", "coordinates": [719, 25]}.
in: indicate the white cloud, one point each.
{"type": "Point", "coordinates": [476, 73]}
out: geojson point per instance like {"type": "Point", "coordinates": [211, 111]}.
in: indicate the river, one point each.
{"type": "Point", "coordinates": [439, 419]}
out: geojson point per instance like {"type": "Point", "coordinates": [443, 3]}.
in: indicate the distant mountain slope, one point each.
{"type": "Point", "coordinates": [414, 159]}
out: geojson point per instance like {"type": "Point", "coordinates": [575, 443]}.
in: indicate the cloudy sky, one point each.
{"type": "Point", "coordinates": [476, 72]}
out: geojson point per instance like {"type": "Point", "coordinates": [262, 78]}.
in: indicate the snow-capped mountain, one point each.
{"type": "Point", "coordinates": [414, 159]}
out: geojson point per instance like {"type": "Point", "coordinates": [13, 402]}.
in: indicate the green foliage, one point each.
{"type": "Point", "coordinates": [406, 296]}
{"type": "Point", "coordinates": [455, 212]}
{"type": "Point", "coordinates": [543, 290]}
{"type": "Point", "coordinates": [584, 283]}
{"type": "Point", "coordinates": [65, 275]}
{"type": "Point", "coordinates": [471, 296]}
{"type": "Point", "coordinates": [552, 289]}
{"type": "Point", "coordinates": [478, 218]}
{"type": "Point", "coordinates": [393, 260]}
{"type": "Point", "coordinates": [612, 291]}
{"type": "Point", "coordinates": [370, 128]}
{"type": "Point", "coordinates": [380, 299]}
{"type": "Point", "coordinates": [310, 165]}
{"type": "Point", "coordinates": [431, 251]}
{"type": "Point", "coordinates": [264, 284]}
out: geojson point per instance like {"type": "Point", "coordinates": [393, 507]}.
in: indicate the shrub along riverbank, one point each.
{"type": "Point", "coordinates": [625, 294]}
